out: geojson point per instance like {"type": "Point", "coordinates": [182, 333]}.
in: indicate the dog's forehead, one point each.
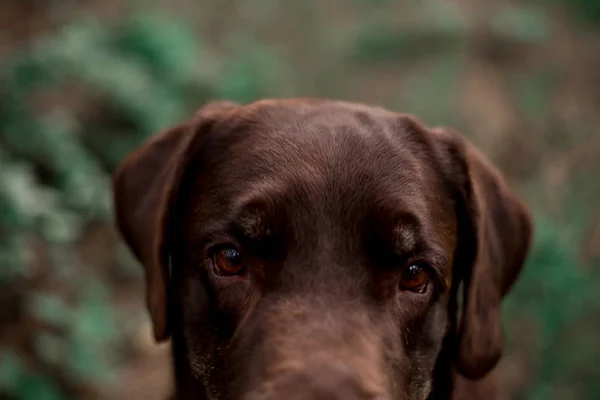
{"type": "Point", "coordinates": [318, 142]}
{"type": "Point", "coordinates": [302, 117]}
{"type": "Point", "coordinates": [325, 154]}
{"type": "Point", "coordinates": [313, 137]}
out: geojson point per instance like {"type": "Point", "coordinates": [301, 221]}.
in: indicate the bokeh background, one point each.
{"type": "Point", "coordinates": [83, 82]}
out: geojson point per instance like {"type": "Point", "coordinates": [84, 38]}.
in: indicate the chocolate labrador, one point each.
{"type": "Point", "coordinates": [317, 249]}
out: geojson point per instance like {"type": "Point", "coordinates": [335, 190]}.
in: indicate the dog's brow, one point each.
{"type": "Point", "coordinates": [253, 224]}
{"type": "Point", "coordinates": [409, 238]}
{"type": "Point", "coordinates": [256, 217]}
{"type": "Point", "coordinates": [405, 236]}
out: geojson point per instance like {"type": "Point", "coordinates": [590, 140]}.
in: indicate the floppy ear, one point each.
{"type": "Point", "coordinates": [144, 187]}
{"type": "Point", "coordinates": [495, 231]}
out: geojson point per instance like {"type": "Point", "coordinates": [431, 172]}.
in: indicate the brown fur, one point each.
{"type": "Point", "coordinates": [327, 200]}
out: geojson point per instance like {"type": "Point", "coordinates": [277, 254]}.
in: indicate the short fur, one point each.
{"type": "Point", "coordinates": [327, 200]}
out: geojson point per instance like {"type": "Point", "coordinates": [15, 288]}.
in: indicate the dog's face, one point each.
{"type": "Point", "coordinates": [311, 249]}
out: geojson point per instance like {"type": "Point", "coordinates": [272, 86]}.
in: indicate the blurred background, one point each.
{"type": "Point", "coordinates": [84, 82]}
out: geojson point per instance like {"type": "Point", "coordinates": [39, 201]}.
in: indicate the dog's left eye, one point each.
{"type": "Point", "coordinates": [414, 278]}
{"type": "Point", "coordinates": [227, 261]}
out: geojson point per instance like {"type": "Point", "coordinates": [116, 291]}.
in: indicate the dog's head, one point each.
{"type": "Point", "coordinates": [313, 249]}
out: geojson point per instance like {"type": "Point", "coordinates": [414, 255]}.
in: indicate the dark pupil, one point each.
{"type": "Point", "coordinates": [232, 256]}
{"type": "Point", "coordinates": [413, 272]}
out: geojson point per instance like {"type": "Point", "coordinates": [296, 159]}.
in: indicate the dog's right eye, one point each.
{"type": "Point", "coordinates": [414, 278]}
{"type": "Point", "coordinates": [227, 261]}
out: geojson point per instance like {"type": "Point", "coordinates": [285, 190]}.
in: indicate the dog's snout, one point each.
{"type": "Point", "coordinates": [320, 382]}
{"type": "Point", "coordinates": [309, 350]}
{"type": "Point", "coordinates": [333, 382]}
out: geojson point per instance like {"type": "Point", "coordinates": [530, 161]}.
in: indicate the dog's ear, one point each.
{"type": "Point", "coordinates": [495, 233]}
{"type": "Point", "coordinates": [144, 189]}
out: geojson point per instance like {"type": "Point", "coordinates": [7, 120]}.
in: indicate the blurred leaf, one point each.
{"type": "Point", "coordinates": [527, 25]}
{"type": "Point", "coordinates": [60, 226]}
{"type": "Point", "coordinates": [92, 335]}
{"type": "Point", "coordinates": [246, 77]}
{"type": "Point", "coordinates": [14, 258]}
{"type": "Point", "coordinates": [534, 95]}
{"type": "Point", "coordinates": [50, 347]}
{"type": "Point", "coordinates": [584, 10]}
{"type": "Point", "coordinates": [11, 369]}
{"type": "Point", "coordinates": [50, 308]}
{"type": "Point", "coordinates": [431, 92]}
{"type": "Point", "coordinates": [384, 44]}
{"type": "Point", "coordinates": [39, 388]}
{"type": "Point", "coordinates": [24, 385]}
{"type": "Point", "coordinates": [172, 51]}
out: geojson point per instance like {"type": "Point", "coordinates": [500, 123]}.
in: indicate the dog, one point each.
{"type": "Point", "coordinates": [319, 249]}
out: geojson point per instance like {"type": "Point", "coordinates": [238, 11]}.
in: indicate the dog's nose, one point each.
{"type": "Point", "coordinates": [321, 382]}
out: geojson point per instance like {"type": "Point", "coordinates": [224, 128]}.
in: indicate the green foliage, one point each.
{"type": "Point", "coordinates": [53, 184]}
{"type": "Point", "coordinates": [247, 76]}
{"type": "Point", "coordinates": [534, 94]}
{"type": "Point", "coordinates": [525, 25]}
{"type": "Point", "coordinates": [556, 294]}
{"type": "Point", "coordinates": [74, 101]}
{"type": "Point", "coordinates": [439, 81]}
{"type": "Point", "coordinates": [443, 35]}
{"type": "Point", "coordinates": [22, 383]}
{"type": "Point", "coordinates": [587, 11]}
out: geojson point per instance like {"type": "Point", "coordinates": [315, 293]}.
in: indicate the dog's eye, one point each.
{"type": "Point", "coordinates": [414, 278]}
{"type": "Point", "coordinates": [227, 261]}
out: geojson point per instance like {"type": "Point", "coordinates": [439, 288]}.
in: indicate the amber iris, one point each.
{"type": "Point", "coordinates": [227, 261]}
{"type": "Point", "coordinates": [414, 278]}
